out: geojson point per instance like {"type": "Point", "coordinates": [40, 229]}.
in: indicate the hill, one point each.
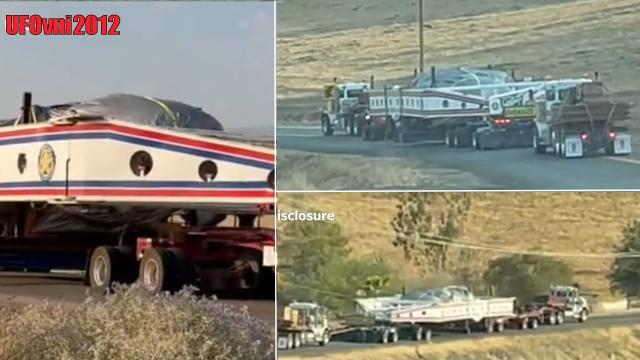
{"type": "Point", "coordinates": [571, 222]}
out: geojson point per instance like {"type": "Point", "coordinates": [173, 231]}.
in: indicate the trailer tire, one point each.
{"type": "Point", "coordinates": [395, 337]}
{"type": "Point", "coordinates": [489, 326]}
{"type": "Point", "coordinates": [327, 130]}
{"type": "Point", "coordinates": [104, 265]}
{"type": "Point", "coordinates": [608, 148]}
{"type": "Point", "coordinates": [448, 138]}
{"type": "Point", "coordinates": [533, 323]}
{"type": "Point", "coordinates": [560, 318]}
{"type": "Point", "coordinates": [384, 338]}
{"type": "Point", "coordinates": [524, 324]}
{"type": "Point", "coordinates": [185, 271]}
{"type": "Point", "coordinates": [552, 318]}
{"type": "Point", "coordinates": [427, 335]}
{"type": "Point", "coordinates": [417, 336]}
{"type": "Point", "coordinates": [366, 133]}
{"type": "Point", "coordinates": [537, 147]}
{"type": "Point", "coordinates": [326, 337]}
{"type": "Point", "coordinates": [155, 268]}
{"type": "Point", "coordinates": [297, 340]}
{"type": "Point", "coordinates": [499, 326]}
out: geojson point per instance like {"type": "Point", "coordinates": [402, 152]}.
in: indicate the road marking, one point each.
{"type": "Point", "coordinates": [622, 159]}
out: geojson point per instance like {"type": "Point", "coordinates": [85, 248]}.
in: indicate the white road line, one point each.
{"type": "Point", "coordinates": [623, 159]}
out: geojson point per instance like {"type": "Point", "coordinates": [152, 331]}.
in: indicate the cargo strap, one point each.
{"type": "Point", "coordinates": [172, 116]}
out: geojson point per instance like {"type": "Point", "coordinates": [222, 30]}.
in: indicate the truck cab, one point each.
{"type": "Point", "coordinates": [345, 105]}
{"type": "Point", "coordinates": [569, 299]}
{"type": "Point", "coordinates": [303, 323]}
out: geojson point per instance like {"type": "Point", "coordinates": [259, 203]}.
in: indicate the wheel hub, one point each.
{"type": "Point", "coordinates": [150, 274]}
{"type": "Point", "coordinates": [99, 272]}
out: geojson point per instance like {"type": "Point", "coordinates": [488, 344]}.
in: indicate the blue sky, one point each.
{"type": "Point", "coordinates": [216, 55]}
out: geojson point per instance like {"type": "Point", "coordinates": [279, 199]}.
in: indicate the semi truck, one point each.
{"type": "Point", "coordinates": [416, 316]}
{"type": "Point", "coordinates": [346, 106]}
{"type": "Point", "coordinates": [582, 119]}
{"type": "Point", "coordinates": [130, 188]}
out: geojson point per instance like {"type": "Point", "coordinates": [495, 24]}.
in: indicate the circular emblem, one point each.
{"type": "Point", "coordinates": [46, 162]}
{"type": "Point", "coordinates": [495, 106]}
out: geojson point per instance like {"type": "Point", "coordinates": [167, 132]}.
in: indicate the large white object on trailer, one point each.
{"type": "Point", "coordinates": [75, 156]}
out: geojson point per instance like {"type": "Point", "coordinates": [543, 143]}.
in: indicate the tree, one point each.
{"type": "Point", "coordinates": [315, 265]}
{"type": "Point", "coordinates": [525, 276]}
{"type": "Point", "coordinates": [420, 216]}
{"type": "Point", "coordinates": [625, 272]}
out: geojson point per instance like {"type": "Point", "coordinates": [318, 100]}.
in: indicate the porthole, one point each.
{"type": "Point", "coordinates": [141, 163]}
{"type": "Point", "coordinates": [271, 179]}
{"type": "Point", "coordinates": [445, 104]}
{"type": "Point", "coordinates": [22, 162]}
{"type": "Point", "coordinates": [208, 170]}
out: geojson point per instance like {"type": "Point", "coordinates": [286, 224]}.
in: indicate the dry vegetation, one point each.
{"type": "Point", "coordinates": [560, 222]}
{"type": "Point", "coordinates": [325, 172]}
{"type": "Point", "coordinates": [619, 343]}
{"type": "Point", "coordinates": [129, 325]}
{"type": "Point", "coordinates": [561, 40]}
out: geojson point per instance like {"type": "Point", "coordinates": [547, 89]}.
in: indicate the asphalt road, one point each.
{"type": "Point", "coordinates": [69, 290]}
{"type": "Point", "coordinates": [505, 169]}
{"type": "Point", "coordinates": [593, 322]}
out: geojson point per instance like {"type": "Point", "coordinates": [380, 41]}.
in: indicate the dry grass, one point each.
{"type": "Point", "coordinates": [562, 222]}
{"type": "Point", "coordinates": [561, 40]}
{"type": "Point", "coordinates": [130, 325]}
{"type": "Point", "coordinates": [619, 343]}
{"type": "Point", "coordinates": [327, 172]}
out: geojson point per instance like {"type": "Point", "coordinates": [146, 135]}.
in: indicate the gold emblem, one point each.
{"type": "Point", "coordinates": [46, 162]}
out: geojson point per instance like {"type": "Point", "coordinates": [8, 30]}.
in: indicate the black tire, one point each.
{"type": "Point", "coordinates": [184, 273]}
{"type": "Point", "coordinates": [584, 316]}
{"type": "Point", "coordinates": [499, 326]}
{"type": "Point", "coordinates": [474, 141]}
{"type": "Point", "coordinates": [104, 268]}
{"type": "Point", "coordinates": [463, 137]}
{"type": "Point", "coordinates": [155, 268]}
{"type": "Point", "coordinates": [560, 318]}
{"type": "Point", "coordinates": [395, 337]}
{"type": "Point", "coordinates": [533, 323]}
{"type": "Point", "coordinates": [427, 335]}
{"type": "Point", "coordinates": [418, 335]}
{"type": "Point", "coordinates": [489, 326]}
{"type": "Point", "coordinates": [326, 337]}
{"type": "Point", "coordinates": [384, 337]}
{"type": "Point", "coordinates": [537, 147]}
{"type": "Point", "coordinates": [327, 130]}
{"type": "Point", "coordinates": [366, 132]}
{"type": "Point", "coordinates": [608, 148]}
{"type": "Point", "coordinates": [448, 138]}
{"type": "Point", "coordinates": [551, 320]}
{"type": "Point", "coordinates": [252, 275]}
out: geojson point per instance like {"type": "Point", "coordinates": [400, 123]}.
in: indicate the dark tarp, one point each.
{"type": "Point", "coordinates": [135, 109]}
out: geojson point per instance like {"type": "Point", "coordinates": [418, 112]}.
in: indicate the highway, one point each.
{"type": "Point", "coordinates": [505, 169]}
{"type": "Point", "coordinates": [68, 290]}
{"type": "Point", "coordinates": [593, 322]}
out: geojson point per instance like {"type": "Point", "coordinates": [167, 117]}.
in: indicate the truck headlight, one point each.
{"type": "Point", "coordinates": [367, 117]}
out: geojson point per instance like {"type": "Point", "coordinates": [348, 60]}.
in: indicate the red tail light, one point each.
{"type": "Point", "coordinates": [502, 121]}
{"type": "Point", "coordinates": [584, 136]}
{"type": "Point", "coordinates": [612, 134]}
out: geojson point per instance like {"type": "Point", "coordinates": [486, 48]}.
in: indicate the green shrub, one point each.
{"type": "Point", "coordinates": [131, 325]}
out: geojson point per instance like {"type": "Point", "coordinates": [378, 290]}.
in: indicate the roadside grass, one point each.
{"type": "Point", "coordinates": [131, 325]}
{"type": "Point", "coordinates": [614, 343]}
{"type": "Point", "coordinates": [574, 222]}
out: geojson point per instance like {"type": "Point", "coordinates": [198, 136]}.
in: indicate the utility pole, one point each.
{"type": "Point", "coordinates": [421, 35]}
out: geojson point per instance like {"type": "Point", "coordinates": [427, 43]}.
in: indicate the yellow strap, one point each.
{"type": "Point", "coordinates": [172, 117]}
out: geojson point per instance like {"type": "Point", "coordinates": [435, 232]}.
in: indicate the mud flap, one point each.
{"type": "Point", "coordinates": [573, 147]}
{"type": "Point", "coordinates": [622, 144]}
{"type": "Point", "coordinates": [268, 256]}
{"type": "Point", "coordinates": [283, 342]}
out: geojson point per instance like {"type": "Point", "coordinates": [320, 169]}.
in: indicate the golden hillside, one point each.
{"type": "Point", "coordinates": [575, 222]}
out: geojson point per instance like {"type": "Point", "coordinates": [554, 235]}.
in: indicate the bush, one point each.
{"type": "Point", "coordinates": [525, 276]}
{"type": "Point", "coordinates": [131, 325]}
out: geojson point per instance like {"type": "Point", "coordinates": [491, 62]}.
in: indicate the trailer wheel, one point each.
{"type": "Point", "coordinates": [297, 340]}
{"type": "Point", "coordinates": [489, 326]}
{"type": "Point", "coordinates": [103, 267]}
{"type": "Point", "coordinates": [499, 326]}
{"type": "Point", "coordinates": [327, 130]}
{"type": "Point", "coordinates": [384, 338]}
{"type": "Point", "coordinates": [537, 147]}
{"type": "Point", "coordinates": [366, 133]}
{"type": "Point", "coordinates": [608, 148]}
{"type": "Point", "coordinates": [155, 267]}
{"type": "Point", "coordinates": [185, 271]}
{"type": "Point", "coordinates": [427, 335]}
{"type": "Point", "coordinates": [418, 334]}
{"type": "Point", "coordinates": [448, 138]}
{"type": "Point", "coordinates": [325, 339]}
{"type": "Point", "coordinates": [560, 318]}
{"type": "Point", "coordinates": [552, 318]}
{"type": "Point", "coordinates": [533, 323]}
{"type": "Point", "coordinates": [524, 324]}
{"type": "Point", "coordinates": [394, 336]}
{"type": "Point", "coordinates": [290, 341]}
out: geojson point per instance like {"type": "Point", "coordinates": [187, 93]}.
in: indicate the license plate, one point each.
{"type": "Point", "coordinates": [268, 256]}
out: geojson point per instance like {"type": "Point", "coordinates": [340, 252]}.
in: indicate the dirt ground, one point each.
{"type": "Point", "coordinates": [564, 39]}
{"type": "Point", "coordinates": [571, 222]}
